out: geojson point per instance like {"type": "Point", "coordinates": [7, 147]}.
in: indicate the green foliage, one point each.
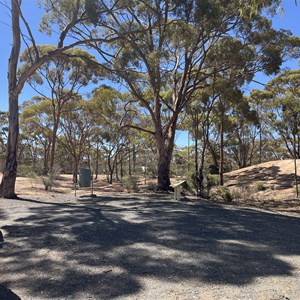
{"type": "Point", "coordinates": [3, 130]}
{"type": "Point", "coordinates": [211, 181]}
{"type": "Point", "coordinates": [222, 193]}
{"type": "Point", "coordinates": [259, 186]}
{"type": "Point", "coordinates": [48, 182]}
{"type": "Point", "coordinates": [130, 183]}
{"type": "Point", "coordinates": [191, 181]}
{"type": "Point", "coordinates": [26, 171]}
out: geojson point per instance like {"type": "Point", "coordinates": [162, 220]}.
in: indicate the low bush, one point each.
{"type": "Point", "coordinates": [221, 193]}
{"type": "Point", "coordinates": [259, 186]}
{"type": "Point", "coordinates": [211, 181]}
{"type": "Point", "coordinates": [48, 182]}
{"type": "Point", "coordinates": [130, 183]}
{"type": "Point", "coordinates": [26, 171]}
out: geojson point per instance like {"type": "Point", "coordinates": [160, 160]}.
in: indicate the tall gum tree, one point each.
{"type": "Point", "coordinates": [186, 43]}
{"type": "Point", "coordinates": [63, 78]}
{"type": "Point", "coordinates": [36, 125]}
{"type": "Point", "coordinates": [16, 83]}
{"type": "Point", "coordinates": [70, 32]}
{"type": "Point", "coordinates": [280, 99]}
{"type": "Point", "coordinates": [76, 128]}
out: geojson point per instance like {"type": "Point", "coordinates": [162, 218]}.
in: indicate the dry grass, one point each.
{"type": "Point", "coordinates": [269, 185]}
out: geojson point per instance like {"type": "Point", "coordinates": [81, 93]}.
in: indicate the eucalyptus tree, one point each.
{"type": "Point", "coordinates": [280, 101]}
{"type": "Point", "coordinates": [59, 80]}
{"type": "Point", "coordinates": [198, 121]}
{"type": "Point", "coordinates": [185, 43]}
{"type": "Point", "coordinates": [281, 98]}
{"type": "Point", "coordinates": [242, 136]}
{"type": "Point", "coordinates": [107, 108]}
{"type": "Point", "coordinates": [17, 81]}
{"type": "Point", "coordinates": [72, 18]}
{"type": "Point", "coordinates": [76, 129]}
{"type": "Point", "coordinates": [36, 126]}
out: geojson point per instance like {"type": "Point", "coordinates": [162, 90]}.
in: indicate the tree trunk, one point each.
{"type": "Point", "coordinates": [295, 167]}
{"type": "Point", "coordinates": [197, 183]}
{"type": "Point", "coordinates": [110, 170]}
{"type": "Point", "coordinates": [97, 162]}
{"type": "Point", "coordinates": [75, 169]}
{"type": "Point", "coordinates": [134, 152]}
{"type": "Point", "coordinates": [221, 170]}
{"type": "Point", "coordinates": [205, 130]}
{"type": "Point", "coordinates": [46, 159]}
{"type": "Point", "coordinates": [260, 144]}
{"type": "Point", "coordinates": [117, 167]}
{"type": "Point", "coordinates": [165, 146]}
{"type": "Point", "coordinates": [7, 186]}
{"type": "Point", "coordinates": [129, 162]}
{"type": "Point", "coordinates": [163, 176]}
{"type": "Point", "coordinates": [121, 167]}
{"type": "Point", "coordinates": [53, 145]}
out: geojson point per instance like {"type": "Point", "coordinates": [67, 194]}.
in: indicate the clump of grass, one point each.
{"type": "Point", "coordinates": [260, 186]}
{"type": "Point", "coordinates": [49, 180]}
{"type": "Point", "coordinates": [242, 193]}
{"type": "Point", "coordinates": [130, 183]}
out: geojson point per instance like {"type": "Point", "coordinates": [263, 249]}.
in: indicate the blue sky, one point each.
{"type": "Point", "coordinates": [290, 20]}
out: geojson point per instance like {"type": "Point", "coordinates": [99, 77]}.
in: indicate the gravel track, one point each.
{"type": "Point", "coordinates": [145, 247]}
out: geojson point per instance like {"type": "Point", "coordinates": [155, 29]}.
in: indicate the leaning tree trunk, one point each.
{"type": "Point", "coordinates": [7, 186]}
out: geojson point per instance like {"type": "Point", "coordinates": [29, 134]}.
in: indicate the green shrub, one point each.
{"type": "Point", "coordinates": [222, 193]}
{"type": "Point", "coordinates": [48, 182]}
{"type": "Point", "coordinates": [130, 183]}
{"type": "Point", "coordinates": [211, 181]}
{"type": "Point", "coordinates": [26, 171]}
{"type": "Point", "coordinates": [259, 186]}
{"type": "Point", "coordinates": [191, 181]}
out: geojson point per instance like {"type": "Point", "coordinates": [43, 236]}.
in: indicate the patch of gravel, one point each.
{"type": "Point", "coordinates": [58, 246]}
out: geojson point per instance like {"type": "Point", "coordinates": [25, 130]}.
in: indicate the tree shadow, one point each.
{"type": "Point", "coordinates": [7, 294]}
{"type": "Point", "coordinates": [272, 173]}
{"type": "Point", "coordinates": [104, 247]}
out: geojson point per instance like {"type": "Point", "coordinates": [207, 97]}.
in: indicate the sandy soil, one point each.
{"type": "Point", "coordinates": [269, 185]}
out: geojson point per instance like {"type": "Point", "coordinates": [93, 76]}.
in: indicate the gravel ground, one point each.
{"type": "Point", "coordinates": [145, 247]}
